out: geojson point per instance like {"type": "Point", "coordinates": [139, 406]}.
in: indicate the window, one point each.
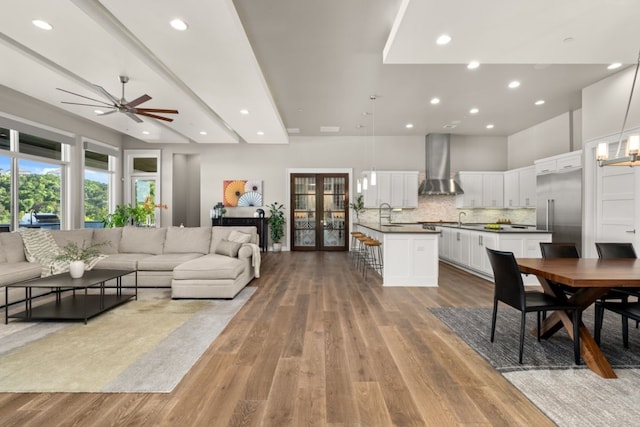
{"type": "Point", "coordinates": [5, 139]}
{"type": "Point", "coordinates": [40, 147]}
{"type": "Point", "coordinates": [5, 190]}
{"type": "Point", "coordinates": [97, 188]}
{"type": "Point", "coordinates": [39, 194]}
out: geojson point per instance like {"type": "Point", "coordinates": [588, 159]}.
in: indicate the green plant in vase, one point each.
{"type": "Point", "coordinates": [276, 224]}
{"type": "Point", "coordinates": [358, 206]}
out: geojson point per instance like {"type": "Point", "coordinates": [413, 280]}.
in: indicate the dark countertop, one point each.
{"type": "Point", "coordinates": [399, 228]}
{"type": "Point", "coordinates": [505, 228]}
{"type": "Point", "coordinates": [417, 228]}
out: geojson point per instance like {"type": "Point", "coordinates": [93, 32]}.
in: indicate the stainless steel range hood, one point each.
{"type": "Point", "coordinates": [439, 181]}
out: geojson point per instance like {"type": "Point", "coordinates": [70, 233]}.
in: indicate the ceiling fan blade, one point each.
{"type": "Point", "coordinates": [134, 117]}
{"type": "Point", "coordinates": [153, 116]}
{"type": "Point", "coordinates": [156, 110]}
{"type": "Point", "coordinates": [113, 99]}
{"type": "Point", "coordinates": [139, 100]}
{"type": "Point", "coordinates": [85, 97]}
{"type": "Point", "coordinates": [88, 105]}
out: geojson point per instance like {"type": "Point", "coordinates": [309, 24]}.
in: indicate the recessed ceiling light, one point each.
{"type": "Point", "coordinates": [614, 66]}
{"type": "Point", "coordinates": [514, 84]}
{"type": "Point", "coordinates": [435, 101]}
{"type": "Point", "coordinates": [179, 24]}
{"type": "Point", "coordinates": [489, 126]}
{"type": "Point", "coordinates": [260, 133]}
{"type": "Point", "coordinates": [145, 132]}
{"type": "Point", "coordinates": [202, 132]}
{"type": "Point", "coordinates": [409, 125]}
{"type": "Point", "coordinates": [43, 25]}
{"type": "Point", "coordinates": [443, 39]}
{"type": "Point", "coordinates": [539, 102]}
{"type": "Point", "coordinates": [473, 65]}
{"type": "Point", "coordinates": [474, 111]}
{"type": "Point", "coordinates": [244, 111]}
{"type": "Point", "coordinates": [98, 112]}
{"type": "Point", "coordinates": [293, 130]}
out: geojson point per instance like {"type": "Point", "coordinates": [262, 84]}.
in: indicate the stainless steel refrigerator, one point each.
{"type": "Point", "coordinates": [559, 206]}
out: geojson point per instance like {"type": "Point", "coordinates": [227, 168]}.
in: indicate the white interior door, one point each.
{"type": "Point", "coordinates": [616, 205]}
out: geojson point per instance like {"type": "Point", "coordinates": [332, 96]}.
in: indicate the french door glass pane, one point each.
{"type": "Point", "coordinates": [334, 211]}
{"type": "Point", "coordinates": [305, 211]}
{"type": "Point", "coordinates": [39, 187]}
{"type": "Point", "coordinates": [144, 190]}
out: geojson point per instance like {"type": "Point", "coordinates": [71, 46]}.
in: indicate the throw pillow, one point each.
{"type": "Point", "coordinates": [239, 237]}
{"type": "Point", "coordinates": [228, 248]}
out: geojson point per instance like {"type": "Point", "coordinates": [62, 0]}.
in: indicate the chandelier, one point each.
{"type": "Point", "coordinates": [632, 148]}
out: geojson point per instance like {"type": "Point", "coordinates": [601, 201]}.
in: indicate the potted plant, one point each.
{"type": "Point", "coordinates": [358, 206]}
{"type": "Point", "coordinates": [276, 223]}
{"type": "Point", "coordinates": [78, 256]}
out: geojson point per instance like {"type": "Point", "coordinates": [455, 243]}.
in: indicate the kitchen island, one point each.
{"type": "Point", "coordinates": [465, 245]}
{"type": "Point", "coordinates": [410, 253]}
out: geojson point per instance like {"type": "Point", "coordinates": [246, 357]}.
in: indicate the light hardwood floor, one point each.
{"type": "Point", "coordinates": [317, 346]}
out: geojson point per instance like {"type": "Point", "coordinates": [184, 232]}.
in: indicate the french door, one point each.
{"type": "Point", "coordinates": [319, 214]}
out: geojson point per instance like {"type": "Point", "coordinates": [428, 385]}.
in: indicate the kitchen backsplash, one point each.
{"type": "Point", "coordinates": [436, 208]}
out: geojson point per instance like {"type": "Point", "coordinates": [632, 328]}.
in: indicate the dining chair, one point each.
{"type": "Point", "coordinates": [509, 289]}
{"type": "Point", "coordinates": [612, 251]}
{"type": "Point", "coordinates": [559, 250]}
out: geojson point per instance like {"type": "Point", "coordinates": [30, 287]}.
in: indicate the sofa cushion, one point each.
{"type": "Point", "coordinates": [165, 262]}
{"type": "Point", "coordinates": [182, 240]}
{"type": "Point", "coordinates": [110, 237]}
{"type": "Point", "coordinates": [220, 233]}
{"type": "Point", "coordinates": [209, 267]}
{"type": "Point", "coordinates": [239, 237]}
{"type": "Point", "coordinates": [81, 237]}
{"type": "Point", "coordinates": [13, 247]}
{"type": "Point", "coordinates": [126, 261]}
{"type": "Point", "coordinates": [142, 240]}
{"type": "Point", "coordinates": [18, 271]}
{"type": "Point", "coordinates": [3, 257]}
{"type": "Point", "coordinates": [228, 248]}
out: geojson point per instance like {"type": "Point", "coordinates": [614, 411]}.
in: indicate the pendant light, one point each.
{"type": "Point", "coordinates": [373, 139]}
{"type": "Point", "coordinates": [632, 149]}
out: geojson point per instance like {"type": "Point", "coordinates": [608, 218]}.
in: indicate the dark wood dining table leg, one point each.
{"type": "Point", "coordinates": [589, 350]}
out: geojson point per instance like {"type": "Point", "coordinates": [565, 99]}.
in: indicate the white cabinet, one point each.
{"type": "Point", "coordinates": [527, 181]}
{"type": "Point", "coordinates": [460, 246]}
{"type": "Point", "coordinates": [481, 190]}
{"type": "Point", "coordinates": [471, 183]}
{"type": "Point", "coordinates": [479, 259]}
{"type": "Point", "coordinates": [398, 188]}
{"type": "Point", "coordinates": [492, 190]}
{"type": "Point", "coordinates": [444, 242]}
{"type": "Point", "coordinates": [520, 188]}
{"type": "Point", "coordinates": [562, 162]}
{"type": "Point", "coordinates": [511, 189]}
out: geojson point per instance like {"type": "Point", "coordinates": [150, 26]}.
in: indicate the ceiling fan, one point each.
{"type": "Point", "coordinates": [121, 105]}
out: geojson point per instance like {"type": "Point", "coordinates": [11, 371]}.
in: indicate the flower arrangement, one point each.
{"type": "Point", "coordinates": [133, 215]}
{"type": "Point", "coordinates": [358, 206]}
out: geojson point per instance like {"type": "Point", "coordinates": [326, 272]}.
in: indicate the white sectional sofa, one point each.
{"type": "Point", "coordinates": [195, 262]}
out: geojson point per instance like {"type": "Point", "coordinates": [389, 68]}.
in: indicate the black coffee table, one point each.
{"type": "Point", "coordinates": [75, 304]}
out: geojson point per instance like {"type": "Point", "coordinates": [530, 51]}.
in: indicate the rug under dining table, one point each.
{"type": "Point", "coordinates": [568, 394]}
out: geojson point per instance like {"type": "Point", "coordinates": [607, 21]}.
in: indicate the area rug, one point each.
{"type": "Point", "coordinates": [569, 395]}
{"type": "Point", "coordinates": [143, 346]}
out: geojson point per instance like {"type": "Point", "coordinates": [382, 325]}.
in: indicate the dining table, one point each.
{"type": "Point", "coordinates": [591, 279]}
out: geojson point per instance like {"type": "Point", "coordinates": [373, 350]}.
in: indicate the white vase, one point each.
{"type": "Point", "coordinates": [277, 247]}
{"type": "Point", "coordinates": [76, 269]}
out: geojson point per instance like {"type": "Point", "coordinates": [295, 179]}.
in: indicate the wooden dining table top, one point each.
{"type": "Point", "coordinates": [584, 272]}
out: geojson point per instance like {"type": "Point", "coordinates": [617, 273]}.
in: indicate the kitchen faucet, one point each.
{"type": "Point", "coordinates": [460, 218]}
{"type": "Point", "coordinates": [388, 215]}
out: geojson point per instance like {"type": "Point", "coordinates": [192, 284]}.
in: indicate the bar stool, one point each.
{"type": "Point", "coordinates": [354, 244]}
{"type": "Point", "coordinates": [373, 256]}
{"type": "Point", "coordinates": [361, 252]}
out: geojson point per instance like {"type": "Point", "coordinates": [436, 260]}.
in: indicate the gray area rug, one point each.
{"type": "Point", "coordinates": [473, 325]}
{"type": "Point", "coordinates": [569, 395]}
{"type": "Point", "coordinates": [146, 345]}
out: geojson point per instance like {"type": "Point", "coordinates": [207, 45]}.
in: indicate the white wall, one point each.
{"type": "Point", "coordinates": [478, 153]}
{"type": "Point", "coordinates": [604, 104]}
{"type": "Point", "coordinates": [542, 140]}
